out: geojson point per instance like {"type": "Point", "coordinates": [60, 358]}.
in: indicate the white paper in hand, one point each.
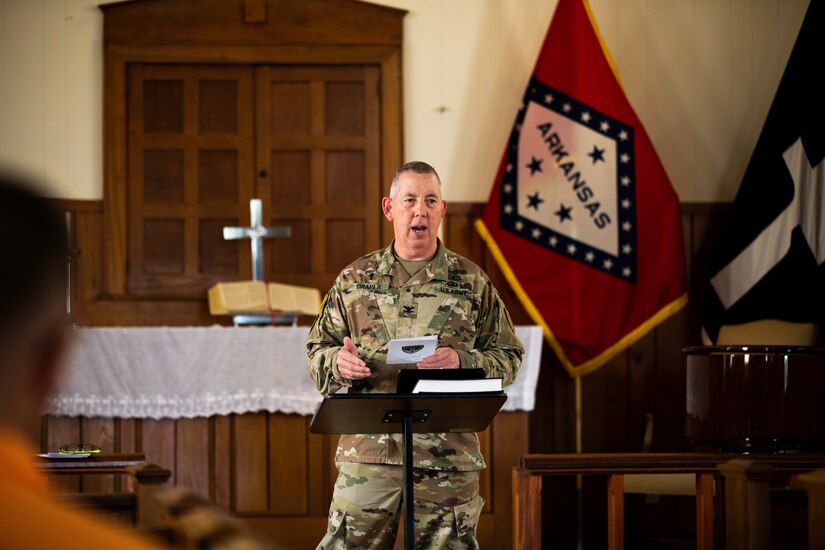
{"type": "Point", "coordinates": [411, 350]}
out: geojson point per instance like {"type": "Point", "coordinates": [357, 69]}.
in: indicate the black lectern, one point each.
{"type": "Point", "coordinates": [375, 413]}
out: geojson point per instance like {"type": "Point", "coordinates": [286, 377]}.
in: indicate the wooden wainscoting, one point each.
{"type": "Point", "coordinates": [267, 468]}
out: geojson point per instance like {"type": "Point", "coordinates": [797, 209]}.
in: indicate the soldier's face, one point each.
{"type": "Point", "coordinates": [416, 212]}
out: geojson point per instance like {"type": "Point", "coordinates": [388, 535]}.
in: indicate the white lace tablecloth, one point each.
{"type": "Point", "coordinates": [164, 372]}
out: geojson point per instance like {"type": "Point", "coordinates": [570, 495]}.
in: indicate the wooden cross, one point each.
{"type": "Point", "coordinates": [256, 232]}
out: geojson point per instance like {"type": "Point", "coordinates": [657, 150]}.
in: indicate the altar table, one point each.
{"type": "Point", "coordinates": [188, 372]}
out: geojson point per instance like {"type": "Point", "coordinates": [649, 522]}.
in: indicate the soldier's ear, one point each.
{"type": "Point", "coordinates": [386, 207]}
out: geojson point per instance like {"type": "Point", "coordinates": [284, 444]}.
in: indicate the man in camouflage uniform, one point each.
{"type": "Point", "coordinates": [414, 287]}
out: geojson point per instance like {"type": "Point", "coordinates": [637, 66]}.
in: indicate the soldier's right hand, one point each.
{"type": "Point", "coordinates": [349, 364]}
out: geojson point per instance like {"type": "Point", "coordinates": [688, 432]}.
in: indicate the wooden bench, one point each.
{"type": "Point", "coordinates": [527, 485]}
{"type": "Point", "coordinates": [179, 518]}
{"type": "Point", "coordinates": [140, 477]}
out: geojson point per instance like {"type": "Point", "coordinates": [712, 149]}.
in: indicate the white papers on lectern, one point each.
{"type": "Point", "coordinates": [411, 350]}
{"type": "Point", "coordinates": [459, 386]}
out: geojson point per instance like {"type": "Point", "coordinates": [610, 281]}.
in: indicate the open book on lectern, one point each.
{"type": "Point", "coordinates": [446, 381]}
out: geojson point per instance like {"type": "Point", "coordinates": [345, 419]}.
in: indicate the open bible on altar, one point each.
{"type": "Point", "coordinates": [261, 297]}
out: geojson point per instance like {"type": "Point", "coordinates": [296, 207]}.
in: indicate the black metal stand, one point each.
{"type": "Point", "coordinates": [419, 413]}
{"type": "Point", "coordinates": [409, 508]}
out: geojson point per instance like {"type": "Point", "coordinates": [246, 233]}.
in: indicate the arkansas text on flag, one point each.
{"type": "Point", "coordinates": [582, 218]}
{"type": "Point", "coordinates": [768, 262]}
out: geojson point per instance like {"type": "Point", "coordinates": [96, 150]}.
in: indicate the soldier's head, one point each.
{"type": "Point", "coordinates": [416, 209]}
{"type": "Point", "coordinates": [33, 246]}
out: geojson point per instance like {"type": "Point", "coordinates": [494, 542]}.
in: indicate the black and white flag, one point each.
{"type": "Point", "coordinates": [768, 263]}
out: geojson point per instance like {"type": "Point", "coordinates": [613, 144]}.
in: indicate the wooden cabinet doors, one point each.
{"type": "Point", "coordinates": [317, 139]}
{"type": "Point", "coordinates": [205, 139]}
{"type": "Point", "coordinates": [190, 164]}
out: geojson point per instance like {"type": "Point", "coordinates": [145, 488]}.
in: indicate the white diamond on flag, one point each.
{"type": "Point", "coordinates": [566, 176]}
{"type": "Point", "coordinates": [573, 180]}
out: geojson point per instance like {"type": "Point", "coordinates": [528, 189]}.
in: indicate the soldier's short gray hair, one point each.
{"type": "Point", "coordinates": [416, 167]}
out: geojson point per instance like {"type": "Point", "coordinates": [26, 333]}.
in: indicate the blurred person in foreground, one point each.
{"type": "Point", "coordinates": [33, 247]}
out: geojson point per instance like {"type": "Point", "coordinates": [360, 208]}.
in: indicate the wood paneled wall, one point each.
{"type": "Point", "coordinates": [267, 468]}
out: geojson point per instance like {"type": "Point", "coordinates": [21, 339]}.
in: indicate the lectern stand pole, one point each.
{"type": "Point", "coordinates": [409, 508]}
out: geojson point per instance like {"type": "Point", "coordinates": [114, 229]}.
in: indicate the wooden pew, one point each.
{"type": "Point", "coordinates": [181, 519]}
{"type": "Point", "coordinates": [527, 484]}
{"type": "Point", "coordinates": [122, 506]}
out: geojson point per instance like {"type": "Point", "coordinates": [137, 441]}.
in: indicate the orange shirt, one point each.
{"type": "Point", "coordinates": [31, 519]}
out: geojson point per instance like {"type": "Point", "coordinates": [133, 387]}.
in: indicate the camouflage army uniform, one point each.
{"type": "Point", "coordinates": [373, 301]}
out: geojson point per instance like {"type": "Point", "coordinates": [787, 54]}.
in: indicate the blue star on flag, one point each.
{"type": "Point", "coordinates": [533, 201]}
{"type": "Point", "coordinates": [564, 213]}
{"type": "Point", "coordinates": [535, 165]}
{"type": "Point", "coordinates": [596, 154]}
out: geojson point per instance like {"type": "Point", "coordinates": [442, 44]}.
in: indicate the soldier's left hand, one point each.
{"type": "Point", "coordinates": [443, 358]}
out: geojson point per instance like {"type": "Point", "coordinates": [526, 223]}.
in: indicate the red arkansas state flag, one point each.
{"type": "Point", "coordinates": [582, 218]}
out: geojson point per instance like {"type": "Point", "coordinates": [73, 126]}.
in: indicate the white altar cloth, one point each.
{"type": "Point", "coordinates": [186, 372]}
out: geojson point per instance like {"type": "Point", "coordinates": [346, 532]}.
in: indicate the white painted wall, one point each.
{"type": "Point", "coordinates": [51, 93]}
{"type": "Point", "coordinates": [700, 73]}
